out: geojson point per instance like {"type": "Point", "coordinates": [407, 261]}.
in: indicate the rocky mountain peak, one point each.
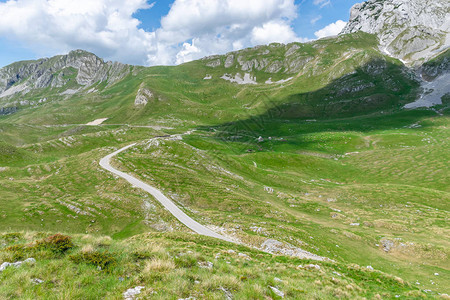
{"type": "Point", "coordinates": [77, 69]}
{"type": "Point", "coordinates": [411, 30]}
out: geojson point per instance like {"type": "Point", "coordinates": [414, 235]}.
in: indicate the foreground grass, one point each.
{"type": "Point", "coordinates": [343, 189]}
{"type": "Point", "coordinates": [173, 266]}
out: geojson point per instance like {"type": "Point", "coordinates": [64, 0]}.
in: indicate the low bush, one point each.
{"type": "Point", "coordinates": [57, 243]}
{"type": "Point", "coordinates": [18, 252]}
{"type": "Point", "coordinates": [11, 237]}
{"type": "Point", "coordinates": [140, 255]}
{"type": "Point", "coordinates": [104, 260]}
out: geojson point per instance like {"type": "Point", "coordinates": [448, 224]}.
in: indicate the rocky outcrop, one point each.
{"type": "Point", "coordinates": [143, 97]}
{"type": "Point", "coordinates": [80, 67]}
{"type": "Point", "coordinates": [275, 58]}
{"type": "Point", "coordinates": [7, 110]}
{"type": "Point", "coordinates": [436, 67]}
{"type": "Point", "coordinates": [5, 265]}
{"type": "Point", "coordinates": [411, 30]}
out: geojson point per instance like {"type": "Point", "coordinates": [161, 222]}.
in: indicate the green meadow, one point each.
{"type": "Point", "coordinates": [328, 162]}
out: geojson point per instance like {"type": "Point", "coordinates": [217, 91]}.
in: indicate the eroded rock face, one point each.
{"type": "Point", "coordinates": [143, 97]}
{"type": "Point", "coordinates": [411, 30]}
{"type": "Point", "coordinates": [437, 67]}
{"type": "Point", "coordinates": [83, 67]}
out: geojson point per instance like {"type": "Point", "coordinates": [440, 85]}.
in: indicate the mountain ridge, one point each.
{"type": "Point", "coordinates": [58, 71]}
{"type": "Point", "coordinates": [30, 83]}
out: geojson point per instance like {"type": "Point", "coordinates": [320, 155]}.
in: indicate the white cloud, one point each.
{"type": "Point", "coordinates": [322, 3]}
{"type": "Point", "coordinates": [314, 20]}
{"type": "Point", "coordinates": [187, 53]}
{"type": "Point", "coordinates": [192, 28]}
{"type": "Point", "coordinates": [105, 27]}
{"type": "Point", "coordinates": [273, 31]}
{"type": "Point", "coordinates": [331, 29]}
{"type": "Point", "coordinates": [218, 26]}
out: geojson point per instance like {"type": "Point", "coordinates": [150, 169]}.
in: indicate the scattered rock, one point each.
{"type": "Point", "coordinates": [387, 244]}
{"type": "Point", "coordinates": [205, 264]}
{"type": "Point", "coordinates": [258, 230]}
{"type": "Point", "coordinates": [228, 294]}
{"type": "Point", "coordinates": [268, 189]}
{"type": "Point", "coordinates": [5, 265]}
{"type": "Point", "coordinates": [312, 266]}
{"type": "Point", "coordinates": [277, 247]}
{"type": "Point", "coordinates": [214, 63]}
{"type": "Point", "coordinates": [245, 256]}
{"type": "Point", "coordinates": [248, 79]}
{"type": "Point", "coordinates": [37, 281]}
{"type": "Point", "coordinates": [277, 291]}
{"type": "Point", "coordinates": [130, 294]}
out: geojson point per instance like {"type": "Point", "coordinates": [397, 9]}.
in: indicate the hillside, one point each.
{"type": "Point", "coordinates": [335, 148]}
{"type": "Point", "coordinates": [348, 70]}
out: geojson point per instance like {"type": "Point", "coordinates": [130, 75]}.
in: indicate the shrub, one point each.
{"type": "Point", "coordinates": [11, 237]}
{"type": "Point", "coordinates": [57, 243]}
{"type": "Point", "coordinates": [19, 252]}
{"type": "Point", "coordinates": [104, 260]}
{"type": "Point", "coordinates": [140, 255]}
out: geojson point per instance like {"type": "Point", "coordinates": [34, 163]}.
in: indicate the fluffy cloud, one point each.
{"type": "Point", "coordinates": [105, 27]}
{"type": "Point", "coordinates": [191, 29]}
{"type": "Point", "coordinates": [273, 32]}
{"type": "Point", "coordinates": [331, 29]}
{"type": "Point", "coordinates": [218, 26]}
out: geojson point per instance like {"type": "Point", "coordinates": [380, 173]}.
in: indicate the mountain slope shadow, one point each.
{"type": "Point", "coordinates": [370, 98]}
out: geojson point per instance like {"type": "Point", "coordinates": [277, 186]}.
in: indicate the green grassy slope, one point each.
{"type": "Point", "coordinates": [341, 170]}
{"type": "Point", "coordinates": [346, 75]}
{"type": "Point", "coordinates": [338, 185]}
{"type": "Point", "coordinates": [174, 266]}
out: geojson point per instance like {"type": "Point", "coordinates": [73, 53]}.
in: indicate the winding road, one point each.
{"type": "Point", "coordinates": [166, 202]}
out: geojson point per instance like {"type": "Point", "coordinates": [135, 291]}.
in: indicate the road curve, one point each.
{"type": "Point", "coordinates": [166, 202]}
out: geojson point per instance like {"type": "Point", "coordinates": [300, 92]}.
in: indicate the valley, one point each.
{"type": "Point", "coordinates": [313, 170]}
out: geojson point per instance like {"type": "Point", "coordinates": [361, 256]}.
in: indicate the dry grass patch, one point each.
{"type": "Point", "coordinates": [158, 265]}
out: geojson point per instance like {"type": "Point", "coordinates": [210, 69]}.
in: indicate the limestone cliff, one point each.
{"type": "Point", "coordinates": [411, 30]}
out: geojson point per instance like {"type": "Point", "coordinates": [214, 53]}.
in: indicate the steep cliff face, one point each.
{"type": "Point", "coordinates": [74, 70]}
{"type": "Point", "coordinates": [411, 30]}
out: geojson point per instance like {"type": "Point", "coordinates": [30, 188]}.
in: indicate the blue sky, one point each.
{"type": "Point", "coordinates": [160, 32]}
